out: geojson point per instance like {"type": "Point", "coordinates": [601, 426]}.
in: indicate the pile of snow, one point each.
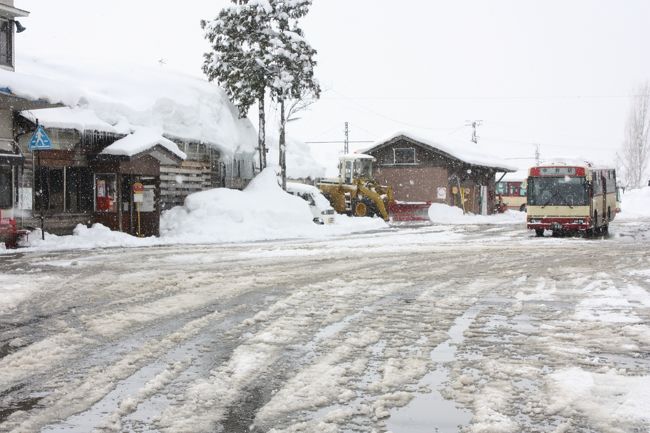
{"type": "Point", "coordinates": [613, 402]}
{"type": "Point", "coordinates": [97, 236]}
{"type": "Point", "coordinates": [263, 211]}
{"type": "Point", "coordinates": [125, 97]}
{"type": "Point", "coordinates": [635, 204]}
{"type": "Point", "coordinates": [444, 214]}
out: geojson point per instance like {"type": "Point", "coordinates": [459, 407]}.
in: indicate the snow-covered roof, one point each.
{"type": "Point", "coordinates": [517, 176]}
{"type": "Point", "coordinates": [300, 163]}
{"type": "Point", "coordinates": [129, 96]}
{"type": "Point", "coordinates": [355, 156]}
{"type": "Point", "coordinates": [461, 150]}
{"type": "Point", "coordinates": [81, 119]}
{"type": "Point", "coordinates": [140, 141]}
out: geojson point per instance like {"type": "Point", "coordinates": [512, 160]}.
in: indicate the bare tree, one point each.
{"type": "Point", "coordinates": [635, 153]}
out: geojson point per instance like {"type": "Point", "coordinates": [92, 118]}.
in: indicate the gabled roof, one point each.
{"type": "Point", "coordinates": [461, 151]}
{"type": "Point", "coordinates": [146, 141]}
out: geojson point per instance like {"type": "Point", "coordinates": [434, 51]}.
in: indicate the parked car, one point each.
{"type": "Point", "coordinates": [320, 207]}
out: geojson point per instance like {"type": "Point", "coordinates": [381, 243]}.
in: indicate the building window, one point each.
{"type": "Point", "coordinates": [404, 156]}
{"type": "Point", "coordinates": [105, 193]}
{"type": "Point", "coordinates": [6, 43]}
{"type": "Point", "coordinates": [6, 189]}
{"type": "Point", "coordinates": [79, 190]}
{"type": "Point", "coordinates": [49, 189]}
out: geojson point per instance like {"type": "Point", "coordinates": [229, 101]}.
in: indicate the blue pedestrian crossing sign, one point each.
{"type": "Point", "coordinates": [40, 140]}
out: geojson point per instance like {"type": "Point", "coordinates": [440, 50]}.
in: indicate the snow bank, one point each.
{"type": "Point", "coordinates": [612, 401]}
{"type": "Point", "coordinates": [443, 214]}
{"type": "Point", "coordinates": [128, 96]}
{"type": "Point", "coordinates": [263, 211]}
{"type": "Point", "coordinates": [635, 204]}
{"type": "Point", "coordinates": [97, 236]}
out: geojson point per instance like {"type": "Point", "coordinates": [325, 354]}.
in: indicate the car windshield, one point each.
{"type": "Point", "coordinates": [558, 191]}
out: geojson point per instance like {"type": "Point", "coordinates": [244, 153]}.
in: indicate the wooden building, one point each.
{"type": "Point", "coordinates": [420, 170]}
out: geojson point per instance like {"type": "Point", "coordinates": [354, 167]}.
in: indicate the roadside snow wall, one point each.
{"type": "Point", "coordinates": [635, 204]}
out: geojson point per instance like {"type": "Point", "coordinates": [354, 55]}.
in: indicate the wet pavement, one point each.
{"type": "Point", "coordinates": [440, 328]}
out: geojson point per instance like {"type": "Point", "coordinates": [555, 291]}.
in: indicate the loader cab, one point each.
{"type": "Point", "coordinates": [355, 166]}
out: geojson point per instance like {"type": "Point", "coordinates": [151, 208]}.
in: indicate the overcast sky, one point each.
{"type": "Point", "coordinates": [555, 72]}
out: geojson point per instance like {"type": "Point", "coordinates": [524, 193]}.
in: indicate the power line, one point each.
{"type": "Point", "coordinates": [339, 142]}
{"type": "Point", "coordinates": [492, 97]}
{"type": "Point", "coordinates": [383, 116]}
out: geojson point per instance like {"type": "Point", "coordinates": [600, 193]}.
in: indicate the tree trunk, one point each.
{"type": "Point", "coordinates": [283, 147]}
{"type": "Point", "coordinates": [261, 137]}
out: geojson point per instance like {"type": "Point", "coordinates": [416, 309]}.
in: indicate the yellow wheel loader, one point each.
{"type": "Point", "coordinates": [355, 192]}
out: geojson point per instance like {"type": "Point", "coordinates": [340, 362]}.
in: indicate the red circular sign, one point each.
{"type": "Point", "coordinates": [138, 188]}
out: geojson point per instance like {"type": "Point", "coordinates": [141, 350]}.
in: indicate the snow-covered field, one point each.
{"type": "Point", "coordinates": [411, 330]}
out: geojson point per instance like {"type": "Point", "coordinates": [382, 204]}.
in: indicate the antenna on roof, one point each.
{"type": "Point", "coordinates": [474, 124]}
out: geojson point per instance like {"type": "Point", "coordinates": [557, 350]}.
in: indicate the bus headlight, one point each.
{"type": "Point", "coordinates": [534, 221]}
{"type": "Point", "coordinates": [580, 222]}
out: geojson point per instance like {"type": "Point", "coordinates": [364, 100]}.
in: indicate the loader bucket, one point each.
{"type": "Point", "coordinates": [409, 212]}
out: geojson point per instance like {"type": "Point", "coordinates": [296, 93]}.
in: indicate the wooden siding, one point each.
{"type": "Point", "coordinates": [194, 176]}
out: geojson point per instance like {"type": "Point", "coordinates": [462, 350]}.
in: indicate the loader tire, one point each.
{"type": "Point", "coordinates": [360, 209]}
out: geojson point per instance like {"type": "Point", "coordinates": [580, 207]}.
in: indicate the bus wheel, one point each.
{"type": "Point", "coordinates": [522, 208]}
{"type": "Point", "coordinates": [539, 233]}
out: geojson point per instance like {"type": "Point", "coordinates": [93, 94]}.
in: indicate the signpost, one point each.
{"type": "Point", "coordinates": [138, 197]}
{"type": "Point", "coordinates": [40, 141]}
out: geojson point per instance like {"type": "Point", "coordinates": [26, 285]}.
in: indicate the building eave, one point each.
{"type": "Point", "coordinates": [11, 159]}
{"type": "Point", "coordinates": [7, 11]}
{"type": "Point", "coordinates": [17, 103]}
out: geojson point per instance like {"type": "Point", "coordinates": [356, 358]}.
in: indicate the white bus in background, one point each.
{"type": "Point", "coordinates": [571, 199]}
{"type": "Point", "coordinates": [320, 207]}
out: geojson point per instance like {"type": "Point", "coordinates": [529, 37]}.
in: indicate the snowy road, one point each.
{"type": "Point", "coordinates": [414, 330]}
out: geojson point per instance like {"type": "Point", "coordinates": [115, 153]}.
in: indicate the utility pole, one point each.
{"type": "Point", "coordinates": [474, 124]}
{"type": "Point", "coordinates": [537, 155]}
{"type": "Point", "coordinates": [346, 148]}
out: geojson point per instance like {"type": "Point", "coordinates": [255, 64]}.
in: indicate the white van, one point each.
{"type": "Point", "coordinates": [320, 207]}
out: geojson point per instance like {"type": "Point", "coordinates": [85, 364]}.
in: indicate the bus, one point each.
{"type": "Point", "coordinates": [571, 199]}
{"type": "Point", "coordinates": [511, 192]}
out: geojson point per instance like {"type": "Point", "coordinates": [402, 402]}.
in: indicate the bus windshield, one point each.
{"type": "Point", "coordinates": [558, 191]}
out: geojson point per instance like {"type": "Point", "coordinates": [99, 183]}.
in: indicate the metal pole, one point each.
{"type": "Point", "coordinates": [346, 149]}
{"type": "Point", "coordinates": [40, 193]}
{"type": "Point", "coordinates": [283, 146]}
